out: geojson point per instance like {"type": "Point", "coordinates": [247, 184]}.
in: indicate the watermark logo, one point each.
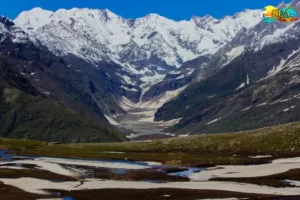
{"type": "Point", "coordinates": [271, 14]}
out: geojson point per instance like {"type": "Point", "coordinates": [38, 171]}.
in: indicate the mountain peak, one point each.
{"type": "Point", "coordinates": [153, 16]}
{"type": "Point", "coordinates": [96, 35]}
{"type": "Point", "coordinates": [6, 21]}
{"type": "Point", "coordinates": [109, 12]}
{"type": "Point", "coordinates": [34, 18]}
{"type": "Point", "coordinates": [243, 14]}
{"type": "Point", "coordinates": [202, 20]}
{"type": "Point", "coordinates": [38, 9]}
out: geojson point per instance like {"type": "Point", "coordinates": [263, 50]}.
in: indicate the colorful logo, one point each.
{"type": "Point", "coordinates": [271, 14]}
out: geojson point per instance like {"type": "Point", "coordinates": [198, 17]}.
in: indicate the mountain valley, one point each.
{"type": "Point", "coordinates": [94, 105]}
{"type": "Point", "coordinates": [153, 75]}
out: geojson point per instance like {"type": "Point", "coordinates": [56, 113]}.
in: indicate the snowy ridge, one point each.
{"type": "Point", "coordinates": [9, 30]}
{"type": "Point", "coordinates": [146, 48]}
{"type": "Point", "coordinates": [102, 35]}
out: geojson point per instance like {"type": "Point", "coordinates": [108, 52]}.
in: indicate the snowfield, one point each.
{"type": "Point", "coordinates": [200, 180]}
{"type": "Point", "coordinates": [149, 46]}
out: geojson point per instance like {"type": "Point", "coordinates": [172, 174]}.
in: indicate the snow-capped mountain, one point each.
{"type": "Point", "coordinates": [9, 30]}
{"type": "Point", "coordinates": [147, 47]}
{"type": "Point", "coordinates": [257, 37]}
{"type": "Point", "coordinates": [124, 66]}
{"type": "Point", "coordinates": [252, 82]}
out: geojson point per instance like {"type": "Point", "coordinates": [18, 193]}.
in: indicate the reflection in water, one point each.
{"type": "Point", "coordinates": [68, 198]}
{"type": "Point", "coordinates": [187, 173]}
{"type": "Point", "coordinates": [5, 156]}
{"type": "Point", "coordinates": [119, 171]}
{"type": "Point", "coordinates": [154, 181]}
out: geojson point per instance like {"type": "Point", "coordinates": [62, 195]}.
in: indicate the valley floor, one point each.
{"type": "Point", "coordinates": [263, 164]}
{"type": "Point", "coordinates": [49, 177]}
{"type": "Point", "coordinates": [141, 122]}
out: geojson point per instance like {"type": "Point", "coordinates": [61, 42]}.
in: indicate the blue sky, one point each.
{"type": "Point", "coordinates": [174, 9]}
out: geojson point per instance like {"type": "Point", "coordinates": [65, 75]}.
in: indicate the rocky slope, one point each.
{"type": "Point", "coordinates": [257, 87]}
{"type": "Point", "coordinates": [42, 98]}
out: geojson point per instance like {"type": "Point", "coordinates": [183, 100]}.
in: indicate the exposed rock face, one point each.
{"type": "Point", "coordinates": [257, 88]}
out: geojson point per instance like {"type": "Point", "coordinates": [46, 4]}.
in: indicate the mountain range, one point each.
{"type": "Point", "coordinates": [207, 75]}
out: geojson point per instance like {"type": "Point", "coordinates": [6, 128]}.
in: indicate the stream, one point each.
{"type": "Point", "coordinates": [148, 172]}
{"type": "Point", "coordinates": [50, 175]}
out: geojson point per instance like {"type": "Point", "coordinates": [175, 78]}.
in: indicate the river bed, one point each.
{"type": "Point", "coordinates": [105, 174]}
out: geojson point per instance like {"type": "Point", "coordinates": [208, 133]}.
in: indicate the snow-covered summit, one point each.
{"type": "Point", "coordinates": [154, 40]}
{"type": "Point", "coordinates": [229, 26]}
{"type": "Point", "coordinates": [8, 29]}
{"type": "Point", "coordinates": [34, 19]}
{"type": "Point", "coordinates": [146, 48]}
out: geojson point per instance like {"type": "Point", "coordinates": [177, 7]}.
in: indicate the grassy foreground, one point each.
{"type": "Point", "coordinates": [204, 150]}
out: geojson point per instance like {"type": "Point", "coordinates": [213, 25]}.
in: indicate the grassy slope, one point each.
{"type": "Point", "coordinates": [203, 150]}
{"type": "Point", "coordinates": [27, 116]}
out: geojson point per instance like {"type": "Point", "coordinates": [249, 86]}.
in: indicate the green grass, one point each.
{"type": "Point", "coordinates": [37, 118]}
{"type": "Point", "coordinates": [203, 150]}
{"type": "Point", "coordinates": [16, 144]}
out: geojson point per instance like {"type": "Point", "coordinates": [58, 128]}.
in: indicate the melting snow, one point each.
{"type": "Point", "coordinates": [261, 156]}
{"type": "Point", "coordinates": [129, 89]}
{"type": "Point", "coordinates": [185, 135]}
{"type": "Point", "coordinates": [247, 108]}
{"type": "Point", "coordinates": [233, 53]}
{"type": "Point", "coordinates": [213, 121]}
{"type": "Point", "coordinates": [241, 86]}
{"type": "Point", "coordinates": [276, 36]}
{"type": "Point", "coordinates": [111, 120]}
{"type": "Point", "coordinates": [262, 104]}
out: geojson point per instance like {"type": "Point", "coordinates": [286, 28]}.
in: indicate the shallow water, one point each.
{"type": "Point", "coordinates": [144, 181]}
{"type": "Point", "coordinates": [187, 173]}
{"type": "Point", "coordinates": [68, 198]}
{"type": "Point", "coordinates": [120, 171]}
{"type": "Point", "coordinates": [5, 156]}
{"type": "Point", "coordinates": [154, 181]}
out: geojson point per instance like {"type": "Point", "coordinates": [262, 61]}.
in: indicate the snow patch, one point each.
{"type": "Point", "coordinates": [126, 104]}
{"type": "Point", "coordinates": [112, 121]}
{"type": "Point", "coordinates": [247, 108]}
{"type": "Point", "coordinates": [233, 53]}
{"type": "Point", "coordinates": [241, 86]}
{"type": "Point", "coordinates": [113, 152]}
{"type": "Point", "coordinates": [129, 89]}
{"type": "Point", "coordinates": [213, 121]}
{"type": "Point", "coordinates": [247, 171]}
{"type": "Point", "coordinates": [261, 156]}
{"type": "Point", "coordinates": [262, 104]}
{"type": "Point", "coordinates": [184, 135]}
{"type": "Point", "coordinates": [38, 186]}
